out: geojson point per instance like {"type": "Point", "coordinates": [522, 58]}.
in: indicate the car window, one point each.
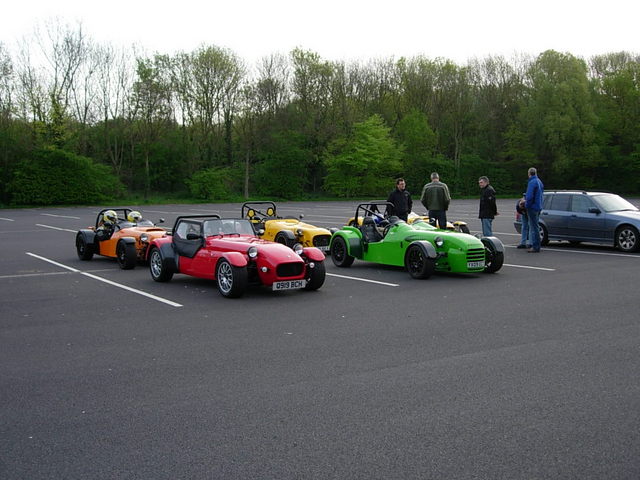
{"type": "Point", "coordinates": [185, 228]}
{"type": "Point", "coordinates": [581, 204]}
{"type": "Point", "coordinates": [613, 203]}
{"type": "Point", "coordinates": [560, 202]}
{"type": "Point", "coordinates": [546, 205]}
{"type": "Point", "coordinates": [228, 226]}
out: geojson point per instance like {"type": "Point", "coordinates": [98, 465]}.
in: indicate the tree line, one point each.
{"type": "Point", "coordinates": [82, 122]}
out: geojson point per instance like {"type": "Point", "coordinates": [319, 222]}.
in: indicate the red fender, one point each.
{"type": "Point", "coordinates": [236, 259]}
{"type": "Point", "coordinates": [314, 254]}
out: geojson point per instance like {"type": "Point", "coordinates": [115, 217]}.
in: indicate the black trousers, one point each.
{"type": "Point", "coordinates": [440, 216]}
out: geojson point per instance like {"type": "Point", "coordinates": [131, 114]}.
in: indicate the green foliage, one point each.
{"type": "Point", "coordinates": [210, 184]}
{"type": "Point", "coordinates": [280, 172]}
{"type": "Point", "coordinates": [51, 176]}
{"type": "Point", "coordinates": [419, 142]}
{"type": "Point", "coordinates": [364, 163]}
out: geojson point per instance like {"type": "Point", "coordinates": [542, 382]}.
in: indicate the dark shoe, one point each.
{"type": "Point", "coordinates": [521, 246]}
{"type": "Point", "coordinates": [531, 250]}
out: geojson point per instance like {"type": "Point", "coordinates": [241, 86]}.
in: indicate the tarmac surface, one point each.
{"type": "Point", "coordinates": [529, 373]}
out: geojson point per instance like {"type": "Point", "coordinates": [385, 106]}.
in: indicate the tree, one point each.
{"type": "Point", "coordinates": [364, 163]}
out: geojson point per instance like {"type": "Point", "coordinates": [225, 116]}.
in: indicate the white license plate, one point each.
{"type": "Point", "coordinates": [325, 248]}
{"type": "Point", "coordinates": [475, 264]}
{"type": "Point", "coordinates": [289, 284]}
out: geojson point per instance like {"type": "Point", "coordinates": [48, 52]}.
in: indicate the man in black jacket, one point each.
{"type": "Point", "coordinates": [488, 207]}
{"type": "Point", "coordinates": [401, 200]}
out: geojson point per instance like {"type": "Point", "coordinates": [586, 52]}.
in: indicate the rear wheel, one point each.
{"type": "Point", "coordinates": [316, 276]}
{"type": "Point", "coordinates": [627, 238]}
{"type": "Point", "coordinates": [159, 272]}
{"type": "Point", "coordinates": [85, 251]}
{"type": "Point", "coordinates": [232, 281]}
{"type": "Point", "coordinates": [340, 254]}
{"type": "Point", "coordinates": [465, 229]}
{"type": "Point", "coordinates": [417, 263]}
{"type": "Point", "coordinates": [126, 255]}
{"type": "Point", "coordinates": [544, 235]}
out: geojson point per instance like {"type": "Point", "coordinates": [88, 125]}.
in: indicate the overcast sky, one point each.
{"type": "Point", "coordinates": [344, 29]}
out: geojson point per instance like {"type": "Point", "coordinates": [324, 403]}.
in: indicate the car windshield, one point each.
{"type": "Point", "coordinates": [613, 203]}
{"type": "Point", "coordinates": [228, 227]}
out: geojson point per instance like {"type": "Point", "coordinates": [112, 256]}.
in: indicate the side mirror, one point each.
{"type": "Point", "coordinates": [595, 210]}
{"type": "Point", "coordinates": [301, 216]}
{"type": "Point", "coordinates": [161, 220]}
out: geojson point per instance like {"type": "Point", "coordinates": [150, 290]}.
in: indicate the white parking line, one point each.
{"type": "Point", "coordinates": [7, 219]}
{"type": "Point", "coordinates": [529, 267]}
{"type": "Point", "coordinates": [55, 228]}
{"type": "Point", "coordinates": [364, 280]}
{"type": "Point", "coordinates": [100, 279]}
{"type": "Point", "coordinates": [606, 254]}
{"type": "Point", "coordinates": [59, 216]}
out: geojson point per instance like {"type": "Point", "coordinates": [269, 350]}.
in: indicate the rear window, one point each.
{"type": "Point", "coordinates": [559, 202]}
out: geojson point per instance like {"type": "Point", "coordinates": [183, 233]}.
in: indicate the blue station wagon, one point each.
{"type": "Point", "coordinates": [578, 216]}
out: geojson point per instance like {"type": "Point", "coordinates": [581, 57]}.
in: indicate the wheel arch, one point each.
{"type": "Point", "coordinates": [426, 247]}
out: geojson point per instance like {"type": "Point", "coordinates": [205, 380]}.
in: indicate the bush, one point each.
{"type": "Point", "coordinates": [51, 176]}
{"type": "Point", "coordinates": [210, 184]}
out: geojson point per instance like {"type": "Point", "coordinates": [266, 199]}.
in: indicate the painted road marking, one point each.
{"type": "Point", "coordinates": [364, 280]}
{"type": "Point", "coordinates": [606, 254]}
{"type": "Point", "coordinates": [529, 267]}
{"type": "Point", "coordinates": [59, 216]}
{"type": "Point", "coordinates": [55, 228]}
{"type": "Point", "coordinates": [100, 279]}
{"type": "Point", "coordinates": [47, 274]}
{"type": "Point", "coordinates": [7, 219]}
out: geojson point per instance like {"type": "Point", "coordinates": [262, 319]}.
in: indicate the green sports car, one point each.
{"type": "Point", "coordinates": [420, 247]}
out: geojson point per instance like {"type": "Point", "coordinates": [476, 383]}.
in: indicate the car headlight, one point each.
{"type": "Point", "coordinates": [297, 248]}
{"type": "Point", "coordinates": [439, 241]}
{"type": "Point", "coordinates": [144, 238]}
{"type": "Point", "coordinates": [252, 252]}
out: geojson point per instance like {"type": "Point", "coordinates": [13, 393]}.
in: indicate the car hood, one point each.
{"type": "Point", "coordinates": [294, 223]}
{"type": "Point", "coordinates": [241, 243]}
{"type": "Point", "coordinates": [632, 215]}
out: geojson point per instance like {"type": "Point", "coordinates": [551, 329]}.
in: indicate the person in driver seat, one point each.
{"type": "Point", "coordinates": [107, 225]}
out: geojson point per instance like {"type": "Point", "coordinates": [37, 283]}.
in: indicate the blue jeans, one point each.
{"type": "Point", "coordinates": [534, 228]}
{"type": "Point", "coordinates": [524, 239]}
{"type": "Point", "coordinates": [486, 227]}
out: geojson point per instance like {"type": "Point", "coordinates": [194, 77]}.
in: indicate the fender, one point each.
{"type": "Point", "coordinates": [169, 257]}
{"type": "Point", "coordinates": [313, 254]}
{"type": "Point", "coordinates": [428, 249]}
{"type": "Point", "coordinates": [494, 243]}
{"type": "Point", "coordinates": [89, 236]}
{"type": "Point", "coordinates": [352, 237]}
{"type": "Point", "coordinates": [288, 234]}
{"type": "Point", "coordinates": [236, 259]}
{"type": "Point", "coordinates": [127, 240]}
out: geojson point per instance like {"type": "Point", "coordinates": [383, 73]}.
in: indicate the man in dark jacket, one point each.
{"type": "Point", "coordinates": [401, 200]}
{"type": "Point", "coordinates": [533, 204]}
{"type": "Point", "coordinates": [436, 198]}
{"type": "Point", "coordinates": [488, 207]}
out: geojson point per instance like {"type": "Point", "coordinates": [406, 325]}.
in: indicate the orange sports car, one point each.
{"type": "Point", "coordinates": [121, 233]}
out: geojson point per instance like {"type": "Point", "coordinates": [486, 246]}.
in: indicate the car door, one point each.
{"type": "Point", "coordinates": [556, 214]}
{"type": "Point", "coordinates": [586, 221]}
{"type": "Point", "coordinates": [187, 240]}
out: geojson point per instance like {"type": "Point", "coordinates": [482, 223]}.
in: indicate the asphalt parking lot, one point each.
{"type": "Point", "coordinates": [529, 373]}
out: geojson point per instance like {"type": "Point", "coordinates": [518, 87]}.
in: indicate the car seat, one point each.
{"type": "Point", "coordinates": [369, 230]}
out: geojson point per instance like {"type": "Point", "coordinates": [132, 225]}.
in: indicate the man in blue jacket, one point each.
{"type": "Point", "coordinates": [533, 204]}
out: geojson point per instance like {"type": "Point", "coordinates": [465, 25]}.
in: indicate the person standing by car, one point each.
{"type": "Point", "coordinates": [524, 220]}
{"type": "Point", "coordinates": [436, 198]}
{"type": "Point", "coordinates": [488, 207]}
{"type": "Point", "coordinates": [533, 204]}
{"type": "Point", "coordinates": [401, 199]}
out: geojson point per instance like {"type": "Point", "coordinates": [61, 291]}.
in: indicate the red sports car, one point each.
{"type": "Point", "coordinates": [227, 250]}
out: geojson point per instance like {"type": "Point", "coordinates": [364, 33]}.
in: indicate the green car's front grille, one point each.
{"type": "Point", "coordinates": [475, 255]}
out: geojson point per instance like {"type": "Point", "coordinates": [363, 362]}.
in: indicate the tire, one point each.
{"type": "Point", "coordinates": [282, 238]}
{"type": "Point", "coordinates": [544, 235]}
{"type": "Point", "coordinates": [159, 272]}
{"type": "Point", "coordinates": [126, 255]}
{"type": "Point", "coordinates": [627, 239]}
{"type": "Point", "coordinates": [493, 260]}
{"type": "Point", "coordinates": [353, 223]}
{"type": "Point", "coordinates": [465, 229]}
{"type": "Point", "coordinates": [232, 281]}
{"type": "Point", "coordinates": [317, 276]}
{"type": "Point", "coordinates": [340, 253]}
{"type": "Point", "coordinates": [85, 251]}
{"type": "Point", "coordinates": [417, 263]}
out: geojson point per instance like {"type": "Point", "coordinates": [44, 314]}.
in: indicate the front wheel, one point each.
{"type": "Point", "coordinates": [126, 255]}
{"type": "Point", "coordinates": [627, 238]}
{"type": "Point", "coordinates": [232, 281]}
{"type": "Point", "coordinates": [316, 276]}
{"type": "Point", "coordinates": [159, 272]}
{"type": "Point", "coordinates": [281, 237]}
{"type": "Point", "coordinates": [418, 264]}
{"type": "Point", "coordinates": [493, 259]}
{"type": "Point", "coordinates": [340, 254]}
{"type": "Point", "coordinates": [85, 251]}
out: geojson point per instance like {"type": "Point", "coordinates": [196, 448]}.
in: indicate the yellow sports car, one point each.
{"type": "Point", "coordinates": [288, 231]}
{"type": "Point", "coordinates": [457, 226]}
